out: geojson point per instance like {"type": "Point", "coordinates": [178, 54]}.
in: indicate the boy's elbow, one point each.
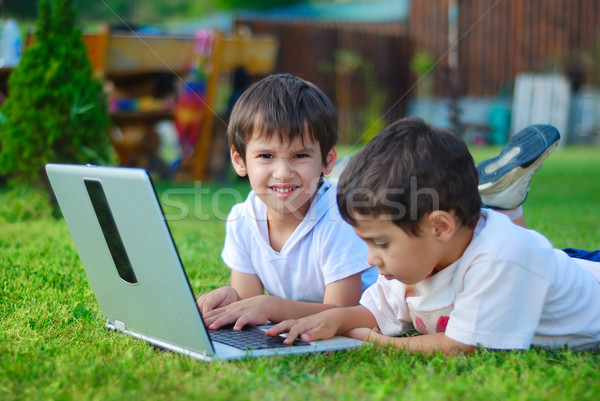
{"type": "Point", "coordinates": [463, 349]}
{"type": "Point", "coordinates": [453, 347]}
{"type": "Point", "coordinates": [432, 343]}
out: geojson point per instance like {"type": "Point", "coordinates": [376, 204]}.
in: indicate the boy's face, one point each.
{"type": "Point", "coordinates": [409, 259]}
{"type": "Point", "coordinates": [285, 176]}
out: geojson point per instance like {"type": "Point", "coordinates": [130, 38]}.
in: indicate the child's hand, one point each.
{"type": "Point", "coordinates": [216, 299]}
{"type": "Point", "coordinates": [310, 328]}
{"type": "Point", "coordinates": [254, 311]}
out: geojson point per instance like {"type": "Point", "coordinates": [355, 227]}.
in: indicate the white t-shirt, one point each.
{"type": "Point", "coordinates": [322, 249]}
{"type": "Point", "coordinates": [509, 290]}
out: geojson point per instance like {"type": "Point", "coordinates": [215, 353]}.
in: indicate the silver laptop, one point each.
{"type": "Point", "coordinates": [124, 243]}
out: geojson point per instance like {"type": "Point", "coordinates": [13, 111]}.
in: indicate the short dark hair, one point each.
{"type": "Point", "coordinates": [408, 170]}
{"type": "Point", "coordinates": [285, 105]}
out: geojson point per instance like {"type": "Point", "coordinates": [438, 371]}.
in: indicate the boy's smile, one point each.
{"type": "Point", "coordinates": [285, 176]}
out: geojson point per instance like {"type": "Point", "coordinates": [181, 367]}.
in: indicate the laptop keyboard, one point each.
{"type": "Point", "coordinates": [249, 338]}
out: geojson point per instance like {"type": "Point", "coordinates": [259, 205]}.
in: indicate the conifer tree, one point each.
{"type": "Point", "coordinates": [56, 111]}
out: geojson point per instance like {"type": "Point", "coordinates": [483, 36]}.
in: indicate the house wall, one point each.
{"type": "Point", "coordinates": [315, 51]}
{"type": "Point", "coordinates": [499, 39]}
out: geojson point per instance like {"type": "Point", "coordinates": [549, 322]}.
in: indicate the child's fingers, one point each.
{"type": "Point", "coordinates": [222, 319]}
{"type": "Point", "coordinates": [212, 315]}
{"type": "Point", "coordinates": [207, 304]}
{"type": "Point", "coordinates": [200, 302]}
{"type": "Point", "coordinates": [293, 333]}
{"type": "Point", "coordinates": [239, 320]}
{"type": "Point", "coordinates": [302, 329]}
{"type": "Point", "coordinates": [282, 327]}
{"type": "Point", "coordinates": [218, 298]}
{"type": "Point", "coordinates": [251, 319]}
{"type": "Point", "coordinates": [210, 301]}
{"type": "Point", "coordinates": [319, 332]}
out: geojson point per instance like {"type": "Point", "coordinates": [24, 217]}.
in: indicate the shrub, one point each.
{"type": "Point", "coordinates": [56, 110]}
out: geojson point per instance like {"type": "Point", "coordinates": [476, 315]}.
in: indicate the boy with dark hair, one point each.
{"type": "Point", "coordinates": [287, 237]}
{"type": "Point", "coordinates": [460, 275]}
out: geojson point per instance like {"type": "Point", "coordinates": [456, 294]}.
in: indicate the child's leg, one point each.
{"type": "Point", "coordinates": [515, 215]}
{"type": "Point", "coordinates": [591, 263]}
{"type": "Point", "coordinates": [582, 254]}
{"type": "Point", "coordinates": [504, 179]}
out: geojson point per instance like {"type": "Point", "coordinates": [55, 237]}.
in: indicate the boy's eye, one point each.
{"type": "Point", "coordinates": [265, 156]}
{"type": "Point", "coordinates": [380, 245]}
{"type": "Point", "coordinates": [301, 156]}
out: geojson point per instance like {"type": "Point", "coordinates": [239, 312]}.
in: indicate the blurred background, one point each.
{"type": "Point", "coordinates": [172, 69]}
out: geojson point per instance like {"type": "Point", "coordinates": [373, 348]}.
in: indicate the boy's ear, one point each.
{"type": "Point", "coordinates": [442, 225]}
{"type": "Point", "coordinates": [330, 160]}
{"type": "Point", "coordinates": [238, 162]}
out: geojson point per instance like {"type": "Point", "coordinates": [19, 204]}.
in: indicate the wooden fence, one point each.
{"type": "Point", "coordinates": [500, 38]}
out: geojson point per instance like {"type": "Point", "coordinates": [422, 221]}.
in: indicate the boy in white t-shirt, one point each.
{"type": "Point", "coordinates": [460, 275]}
{"type": "Point", "coordinates": [287, 238]}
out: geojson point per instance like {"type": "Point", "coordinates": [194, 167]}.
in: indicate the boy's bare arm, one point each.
{"type": "Point", "coordinates": [344, 292]}
{"type": "Point", "coordinates": [358, 322]}
{"type": "Point", "coordinates": [258, 310]}
{"type": "Point", "coordinates": [246, 285]}
{"type": "Point", "coordinates": [325, 324]}
{"type": "Point", "coordinates": [427, 343]}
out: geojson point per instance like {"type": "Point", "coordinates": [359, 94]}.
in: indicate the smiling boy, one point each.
{"type": "Point", "coordinates": [287, 238]}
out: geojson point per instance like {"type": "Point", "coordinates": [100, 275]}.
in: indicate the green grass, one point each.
{"type": "Point", "coordinates": [53, 344]}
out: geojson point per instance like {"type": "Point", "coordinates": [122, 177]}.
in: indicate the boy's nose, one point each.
{"type": "Point", "coordinates": [282, 170]}
{"type": "Point", "coordinates": [373, 260]}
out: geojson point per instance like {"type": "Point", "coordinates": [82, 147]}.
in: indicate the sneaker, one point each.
{"type": "Point", "coordinates": [336, 172]}
{"type": "Point", "coordinates": [504, 179]}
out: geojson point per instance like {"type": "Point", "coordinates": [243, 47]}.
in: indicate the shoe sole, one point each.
{"type": "Point", "coordinates": [511, 178]}
{"type": "Point", "coordinates": [519, 155]}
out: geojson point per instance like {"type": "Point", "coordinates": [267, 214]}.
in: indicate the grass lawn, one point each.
{"type": "Point", "coordinates": [53, 344]}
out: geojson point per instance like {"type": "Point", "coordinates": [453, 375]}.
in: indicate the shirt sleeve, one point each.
{"type": "Point", "coordinates": [236, 250]}
{"type": "Point", "coordinates": [498, 305]}
{"type": "Point", "coordinates": [342, 252]}
{"type": "Point", "coordinates": [385, 300]}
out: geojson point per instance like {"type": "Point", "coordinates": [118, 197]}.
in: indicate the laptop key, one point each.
{"type": "Point", "coordinates": [249, 338]}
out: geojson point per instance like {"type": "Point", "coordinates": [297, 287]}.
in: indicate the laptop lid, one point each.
{"type": "Point", "coordinates": [128, 254]}
{"type": "Point", "coordinates": [126, 248]}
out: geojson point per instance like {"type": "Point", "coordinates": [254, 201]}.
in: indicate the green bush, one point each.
{"type": "Point", "coordinates": [22, 203]}
{"type": "Point", "coordinates": [56, 110]}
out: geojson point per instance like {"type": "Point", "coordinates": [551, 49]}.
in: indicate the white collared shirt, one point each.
{"type": "Point", "coordinates": [321, 250]}
{"type": "Point", "coordinates": [509, 290]}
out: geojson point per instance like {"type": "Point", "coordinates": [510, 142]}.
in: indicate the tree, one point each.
{"type": "Point", "coordinates": [139, 12]}
{"type": "Point", "coordinates": [56, 111]}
